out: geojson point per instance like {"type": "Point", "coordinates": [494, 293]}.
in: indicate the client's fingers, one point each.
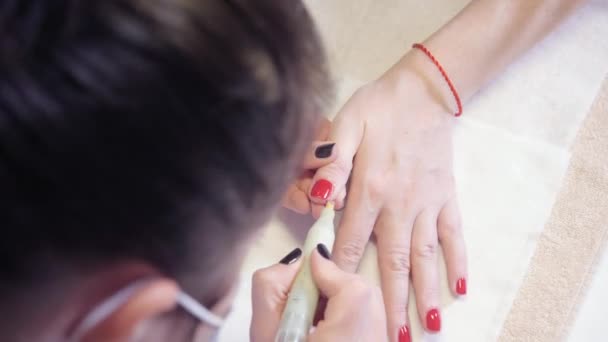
{"type": "Point", "coordinates": [425, 274]}
{"type": "Point", "coordinates": [449, 228]}
{"type": "Point", "coordinates": [394, 262]}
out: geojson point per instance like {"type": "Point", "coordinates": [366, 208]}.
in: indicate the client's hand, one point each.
{"type": "Point", "coordinates": [321, 153]}
{"type": "Point", "coordinates": [354, 309]}
{"type": "Point", "coordinates": [395, 143]}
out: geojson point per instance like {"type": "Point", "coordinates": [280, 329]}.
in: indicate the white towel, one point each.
{"type": "Point", "coordinates": [511, 147]}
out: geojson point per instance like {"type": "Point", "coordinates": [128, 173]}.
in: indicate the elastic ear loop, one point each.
{"type": "Point", "coordinates": [114, 302]}
{"type": "Point", "coordinates": [102, 311]}
{"type": "Point", "coordinates": [197, 310]}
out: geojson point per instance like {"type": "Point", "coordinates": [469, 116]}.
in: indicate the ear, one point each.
{"type": "Point", "coordinates": [152, 299]}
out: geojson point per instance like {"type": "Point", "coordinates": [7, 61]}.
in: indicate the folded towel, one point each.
{"type": "Point", "coordinates": [571, 243]}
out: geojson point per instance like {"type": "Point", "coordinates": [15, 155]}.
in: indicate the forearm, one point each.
{"type": "Point", "coordinates": [483, 39]}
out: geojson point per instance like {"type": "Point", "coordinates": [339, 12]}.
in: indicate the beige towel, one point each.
{"type": "Point", "coordinates": [571, 242]}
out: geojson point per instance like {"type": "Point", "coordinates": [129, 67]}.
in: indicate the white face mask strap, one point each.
{"type": "Point", "coordinates": [197, 310]}
{"type": "Point", "coordinates": [102, 311]}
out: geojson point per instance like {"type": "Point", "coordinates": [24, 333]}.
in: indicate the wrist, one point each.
{"type": "Point", "coordinates": [416, 83]}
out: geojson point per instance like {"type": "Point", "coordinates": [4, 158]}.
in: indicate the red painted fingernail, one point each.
{"type": "Point", "coordinates": [433, 320]}
{"type": "Point", "coordinates": [461, 286]}
{"type": "Point", "coordinates": [322, 189]}
{"type": "Point", "coordinates": [404, 334]}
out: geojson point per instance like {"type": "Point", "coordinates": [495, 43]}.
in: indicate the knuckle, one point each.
{"type": "Point", "coordinates": [257, 278]}
{"type": "Point", "coordinates": [261, 278]}
{"type": "Point", "coordinates": [365, 92]}
{"type": "Point", "coordinates": [351, 252]}
{"type": "Point", "coordinates": [361, 292]}
{"type": "Point", "coordinates": [398, 260]}
{"type": "Point", "coordinates": [450, 229]}
{"type": "Point", "coordinates": [376, 186]}
{"type": "Point", "coordinates": [425, 250]}
{"type": "Point", "coordinates": [339, 169]}
{"type": "Point", "coordinates": [397, 310]}
{"type": "Point", "coordinates": [343, 165]}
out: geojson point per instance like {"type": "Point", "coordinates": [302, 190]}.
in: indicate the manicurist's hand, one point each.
{"type": "Point", "coordinates": [321, 153]}
{"type": "Point", "coordinates": [270, 287]}
{"type": "Point", "coordinates": [354, 310]}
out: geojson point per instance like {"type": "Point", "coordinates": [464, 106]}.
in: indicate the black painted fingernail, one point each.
{"type": "Point", "coordinates": [323, 251]}
{"type": "Point", "coordinates": [324, 151]}
{"type": "Point", "coordinates": [291, 257]}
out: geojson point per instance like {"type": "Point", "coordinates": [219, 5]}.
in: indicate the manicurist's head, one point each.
{"type": "Point", "coordinates": [143, 143]}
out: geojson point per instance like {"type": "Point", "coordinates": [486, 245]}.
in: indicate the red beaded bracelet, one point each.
{"type": "Point", "coordinates": [443, 73]}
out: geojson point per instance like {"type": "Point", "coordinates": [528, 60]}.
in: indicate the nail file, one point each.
{"type": "Point", "coordinates": [304, 295]}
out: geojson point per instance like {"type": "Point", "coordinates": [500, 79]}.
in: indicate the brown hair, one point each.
{"type": "Point", "coordinates": [154, 130]}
